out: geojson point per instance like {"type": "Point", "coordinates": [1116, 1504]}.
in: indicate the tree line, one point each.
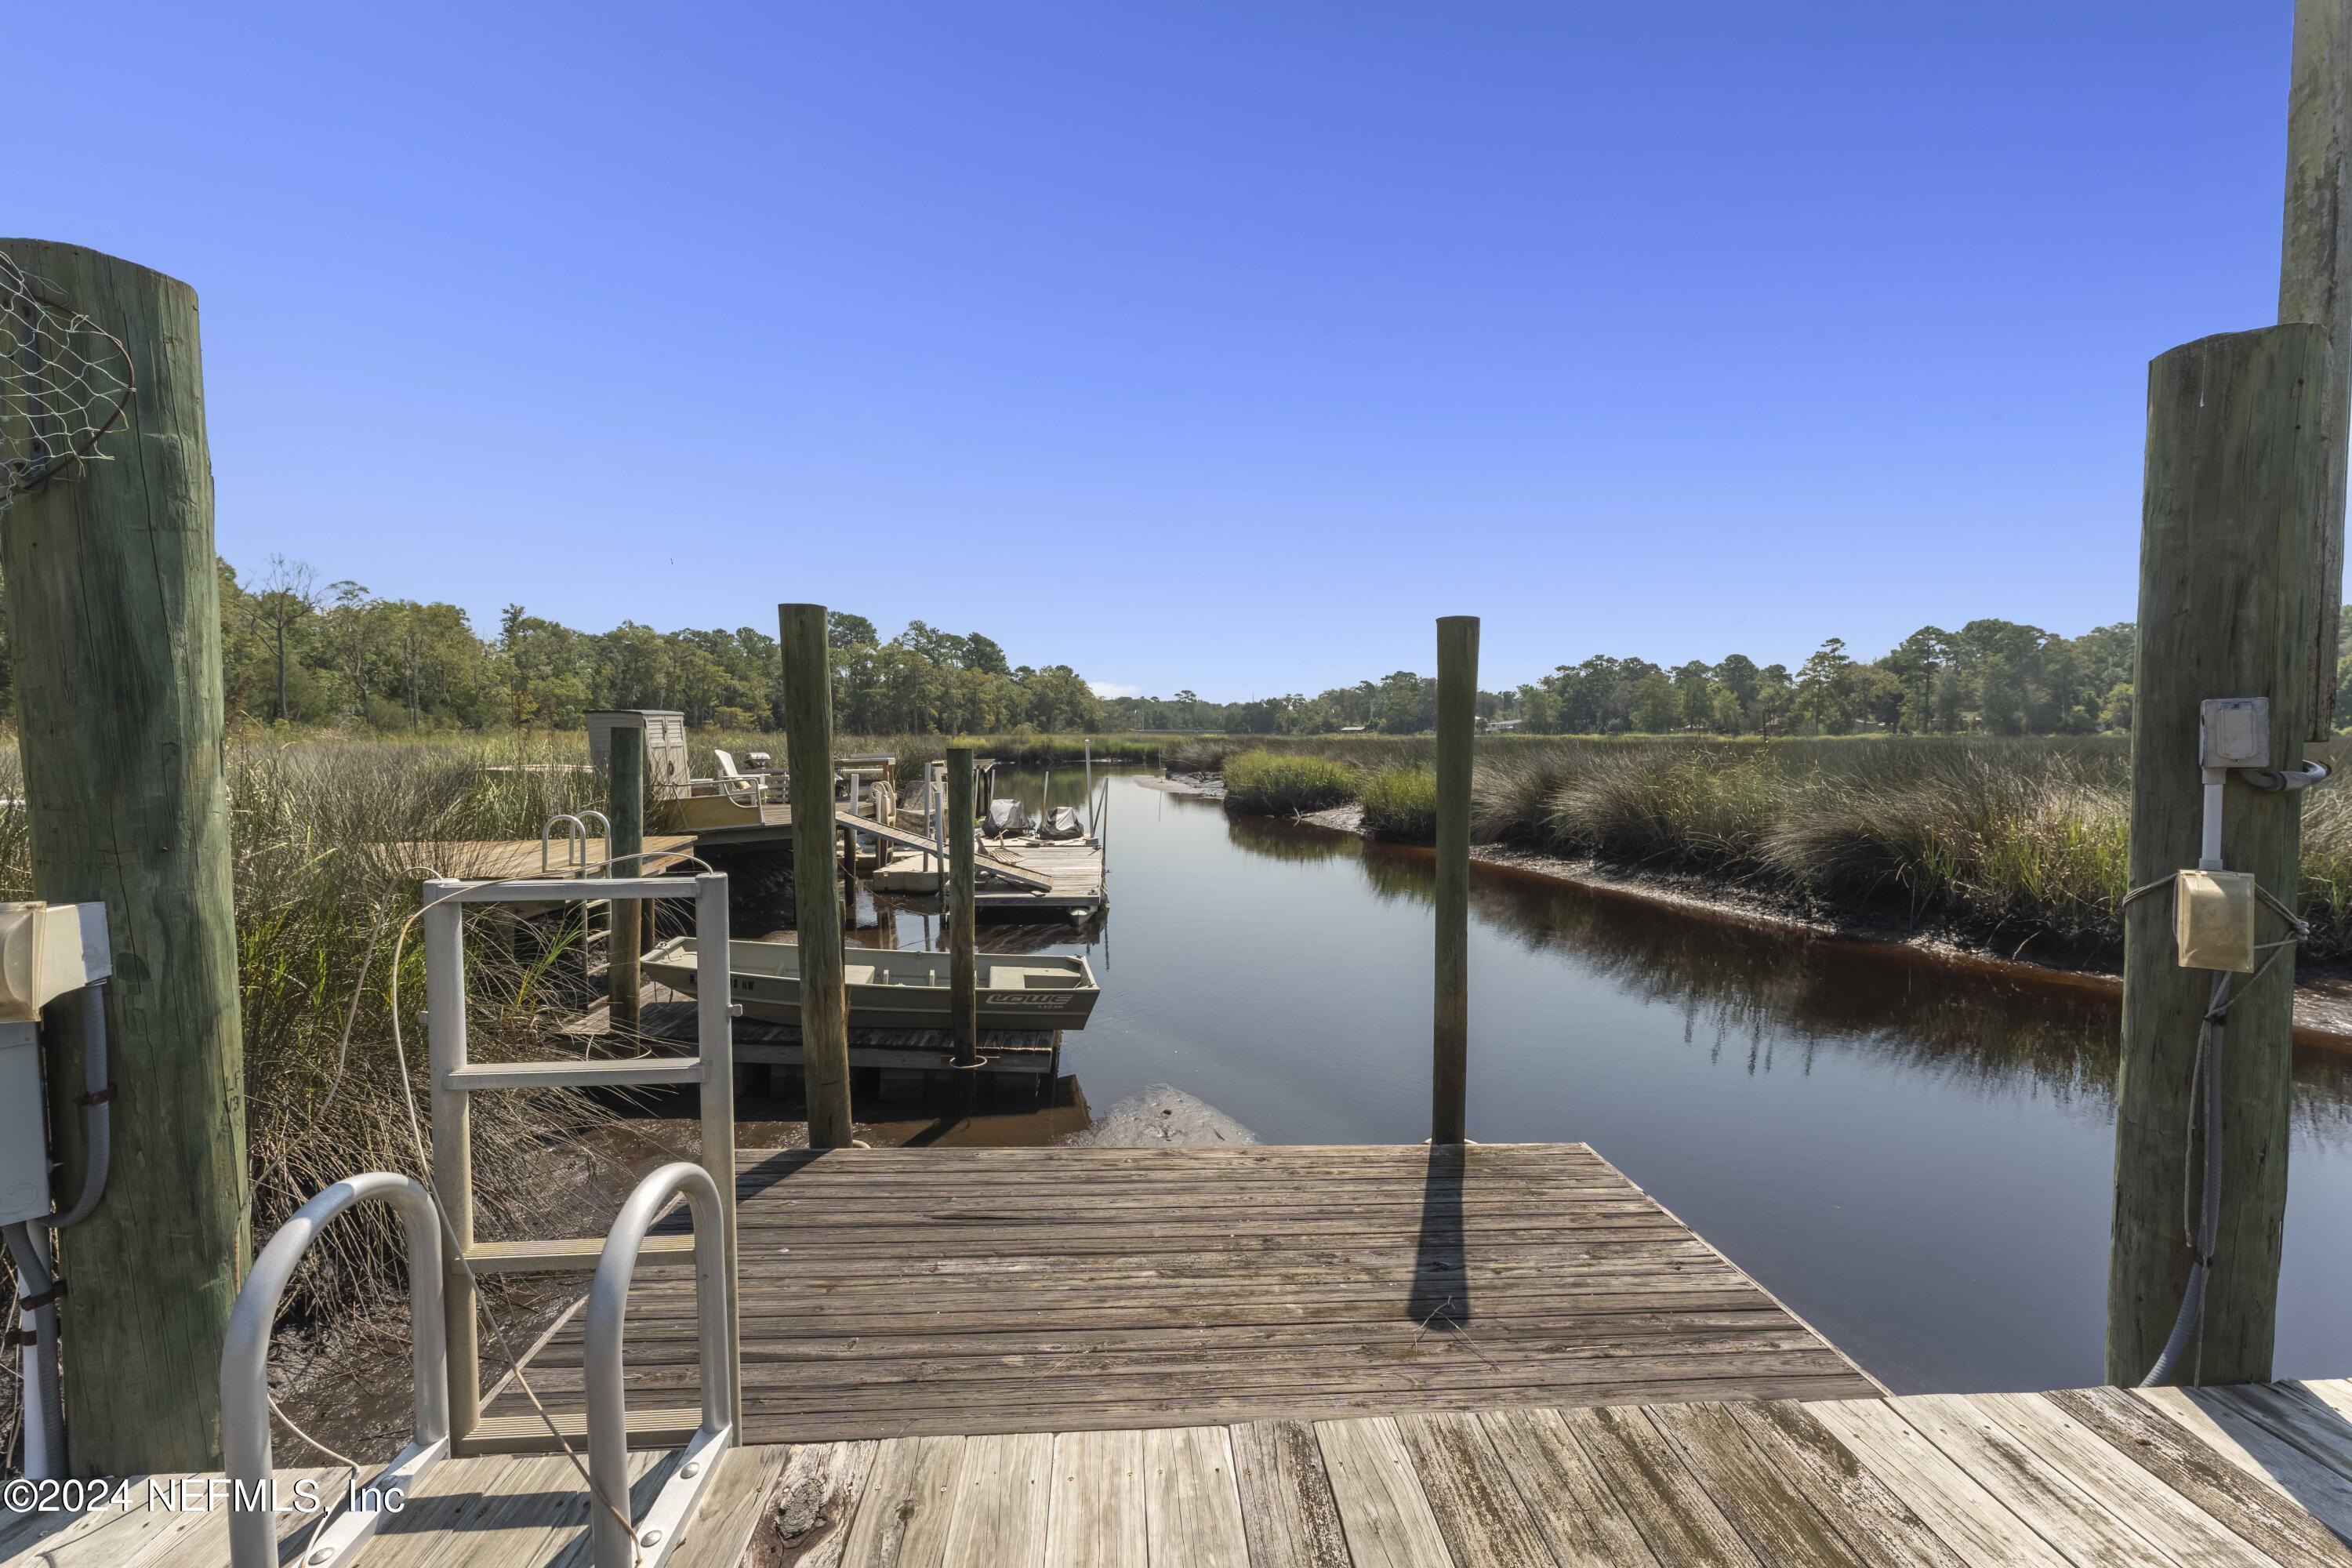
{"type": "Point", "coordinates": [299, 652]}
{"type": "Point", "coordinates": [1992, 676]}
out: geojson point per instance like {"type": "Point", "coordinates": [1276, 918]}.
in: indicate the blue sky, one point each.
{"type": "Point", "coordinates": [1207, 345]}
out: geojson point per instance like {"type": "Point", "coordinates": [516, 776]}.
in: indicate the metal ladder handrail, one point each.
{"type": "Point", "coordinates": [621, 1542]}
{"type": "Point", "coordinates": [244, 1376]}
{"type": "Point", "coordinates": [606, 824]}
{"type": "Point", "coordinates": [575, 844]}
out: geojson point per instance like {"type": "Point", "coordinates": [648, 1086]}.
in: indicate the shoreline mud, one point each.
{"type": "Point", "coordinates": [2323, 996]}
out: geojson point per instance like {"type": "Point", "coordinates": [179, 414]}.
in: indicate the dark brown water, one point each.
{"type": "Point", "coordinates": [1915, 1157]}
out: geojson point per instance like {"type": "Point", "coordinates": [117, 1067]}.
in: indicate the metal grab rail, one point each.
{"type": "Point", "coordinates": [245, 1376]}
{"type": "Point", "coordinates": [646, 1543]}
{"type": "Point", "coordinates": [575, 843]}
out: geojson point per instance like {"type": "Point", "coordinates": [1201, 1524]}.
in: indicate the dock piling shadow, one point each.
{"type": "Point", "coordinates": [1440, 1297]}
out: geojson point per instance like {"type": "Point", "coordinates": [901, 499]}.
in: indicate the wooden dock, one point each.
{"type": "Point", "coordinates": [895, 1291]}
{"type": "Point", "coordinates": [1256, 1357]}
{"type": "Point", "coordinates": [504, 859]}
{"type": "Point", "coordinates": [2254, 1476]}
{"type": "Point", "coordinates": [1074, 872]}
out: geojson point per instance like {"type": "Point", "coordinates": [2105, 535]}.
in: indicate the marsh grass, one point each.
{"type": "Point", "coordinates": [2020, 839]}
{"type": "Point", "coordinates": [1269, 784]}
{"type": "Point", "coordinates": [1400, 802]}
{"type": "Point", "coordinates": [323, 832]}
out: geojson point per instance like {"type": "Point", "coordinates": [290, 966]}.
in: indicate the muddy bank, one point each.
{"type": "Point", "coordinates": [2323, 994]}
{"type": "Point", "coordinates": [2323, 997]}
{"type": "Point", "coordinates": [1162, 1115]}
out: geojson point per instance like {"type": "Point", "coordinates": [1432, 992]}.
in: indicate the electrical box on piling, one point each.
{"type": "Point", "coordinates": [45, 951]}
{"type": "Point", "coordinates": [2213, 920]}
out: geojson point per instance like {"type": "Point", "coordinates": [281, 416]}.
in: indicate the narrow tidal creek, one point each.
{"type": "Point", "coordinates": [1914, 1156]}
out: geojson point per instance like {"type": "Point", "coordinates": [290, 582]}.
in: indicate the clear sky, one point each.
{"type": "Point", "coordinates": [1218, 345]}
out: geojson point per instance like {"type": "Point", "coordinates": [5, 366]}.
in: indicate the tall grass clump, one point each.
{"type": "Point", "coordinates": [328, 835]}
{"type": "Point", "coordinates": [1701, 807]}
{"type": "Point", "coordinates": [1269, 784]}
{"type": "Point", "coordinates": [329, 841]}
{"type": "Point", "coordinates": [1400, 803]}
{"type": "Point", "coordinates": [2024, 836]}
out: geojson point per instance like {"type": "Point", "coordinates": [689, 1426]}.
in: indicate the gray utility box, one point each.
{"type": "Point", "coordinates": [669, 773]}
{"type": "Point", "coordinates": [45, 951]}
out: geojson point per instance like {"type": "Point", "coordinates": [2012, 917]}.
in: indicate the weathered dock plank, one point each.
{"type": "Point", "coordinates": [896, 1292]}
{"type": "Point", "coordinates": [1252, 1356]}
{"type": "Point", "coordinates": [502, 859]}
{"type": "Point", "coordinates": [2079, 1478]}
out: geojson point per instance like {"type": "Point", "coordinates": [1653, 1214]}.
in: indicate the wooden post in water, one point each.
{"type": "Point", "coordinates": [808, 750]}
{"type": "Point", "coordinates": [2315, 286]}
{"type": "Point", "coordinates": [2236, 474]}
{"type": "Point", "coordinates": [625, 793]}
{"type": "Point", "coordinates": [115, 608]}
{"type": "Point", "coordinates": [963, 962]}
{"type": "Point", "coordinates": [1458, 704]}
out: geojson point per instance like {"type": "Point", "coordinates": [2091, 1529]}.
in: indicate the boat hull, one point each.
{"type": "Point", "coordinates": [894, 989]}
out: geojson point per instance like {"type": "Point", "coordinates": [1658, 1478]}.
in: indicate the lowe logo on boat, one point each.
{"type": "Point", "coordinates": [1029, 999]}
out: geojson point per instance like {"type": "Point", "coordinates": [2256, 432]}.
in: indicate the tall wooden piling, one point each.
{"type": "Point", "coordinates": [2315, 286]}
{"type": "Point", "coordinates": [115, 608]}
{"type": "Point", "coordinates": [1457, 703]}
{"type": "Point", "coordinates": [625, 798]}
{"type": "Point", "coordinates": [963, 960]}
{"type": "Point", "coordinates": [808, 750]}
{"type": "Point", "coordinates": [2236, 476]}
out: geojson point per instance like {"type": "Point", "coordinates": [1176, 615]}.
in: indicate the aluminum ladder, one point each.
{"type": "Point", "coordinates": [456, 1080]}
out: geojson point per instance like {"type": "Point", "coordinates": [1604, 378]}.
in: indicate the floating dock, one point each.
{"type": "Point", "coordinates": [1073, 871]}
{"type": "Point", "coordinates": [1022, 880]}
{"type": "Point", "coordinates": [1255, 1356]}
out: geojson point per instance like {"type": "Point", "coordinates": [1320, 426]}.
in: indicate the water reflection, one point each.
{"type": "Point", "coordinates": [1751, 990]}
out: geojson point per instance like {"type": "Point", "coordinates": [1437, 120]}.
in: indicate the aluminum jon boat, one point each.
{"type": "Point", "coordinates": [893, 989]}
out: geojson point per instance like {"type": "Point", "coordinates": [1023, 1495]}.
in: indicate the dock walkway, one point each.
{"type": "Point", "coordinates": [888, 1292]}
{"type": "Point", "coordinates": [1256, 1357]}
{"type": "Point", "coordinates": [2256, 1477]}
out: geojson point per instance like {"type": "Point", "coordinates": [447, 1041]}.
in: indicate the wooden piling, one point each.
{"type": "Point", "coordinates": [115, 607]}
{"type": "Point", "coordinates": [2315, 286]}
{"type": "Point", "coordinates": [808, 748]}
{"type": "Point", "coordinates": [2236, 472]}
{"type": "Point", "coordinates": [963, 962]}
{"type": "Point", "coordinates": [1457, 702]}
{"type": "Point", "coordinates": [625, 798]}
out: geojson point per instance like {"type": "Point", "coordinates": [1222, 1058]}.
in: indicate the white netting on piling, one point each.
{"type": "Point", "coordinates": [65, 384]}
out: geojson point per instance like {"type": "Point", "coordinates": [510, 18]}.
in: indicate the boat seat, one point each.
{"type": "Point", "coordinates": [857, 974]}
{"type": "Point", "coordinates": [1015, 978]}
